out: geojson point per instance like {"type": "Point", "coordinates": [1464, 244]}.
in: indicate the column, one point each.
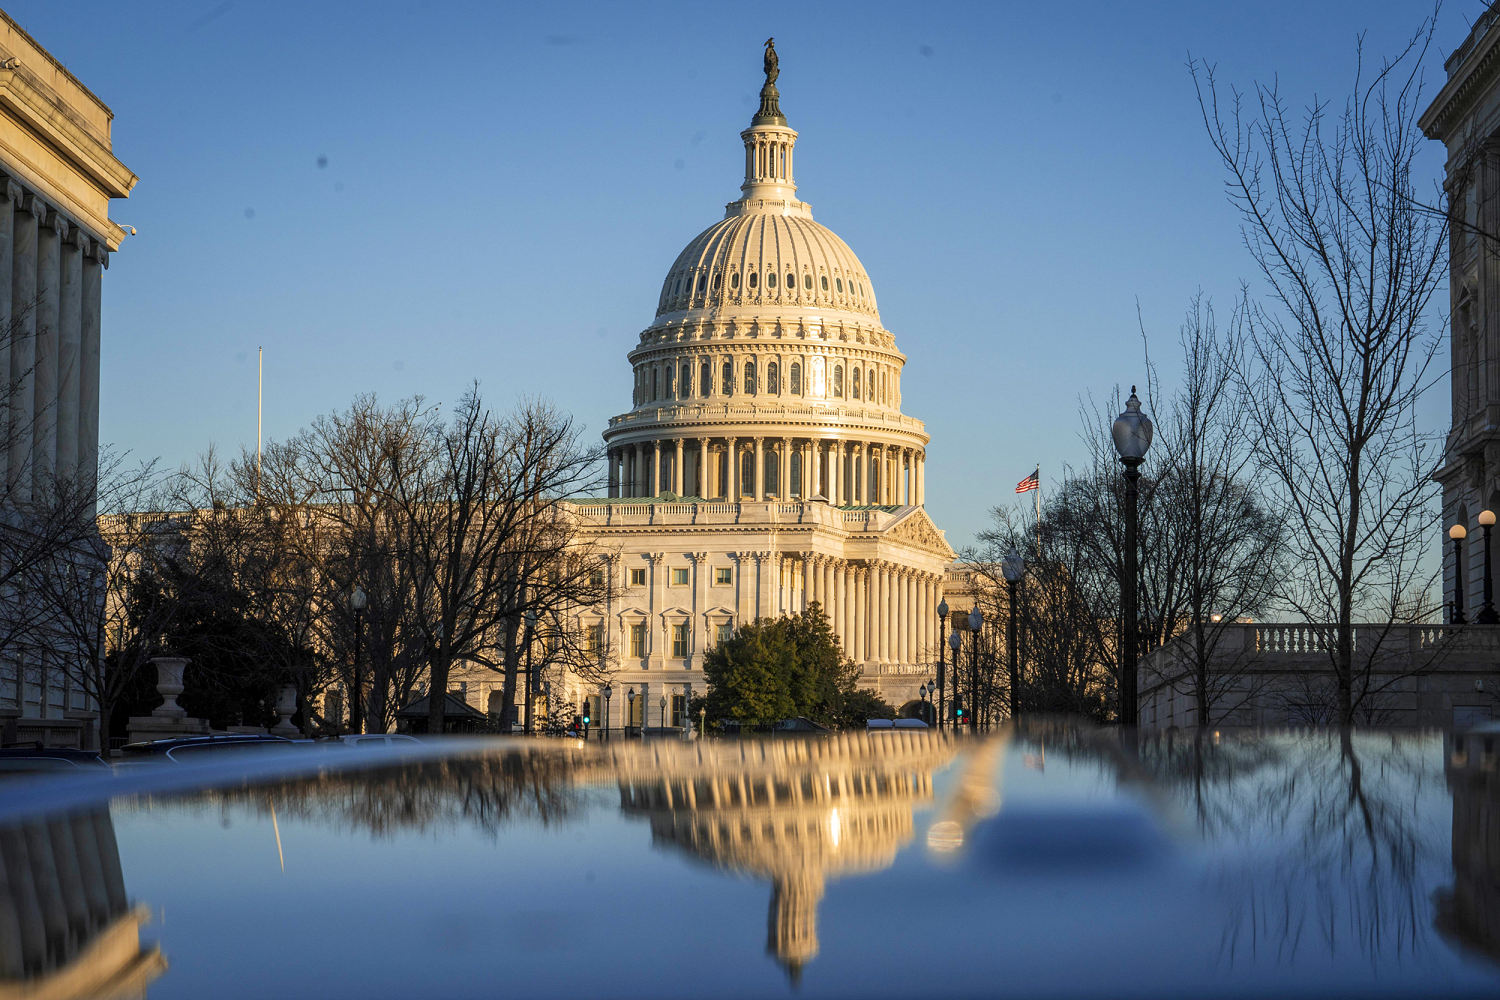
{"type": "Point", "coordinates": [900, 627]}
{"type": "Point", "coordinates": [812, 582]}
{"type": "Point", "coordinates": [856, 488]}
{"type": "Point", "coordinates": [10, 197]}
{"type": "Point", "coordinates": [732, 478]}
{"type": "Point", "coordinates": [861, 583]}
{"type": "Point", "coordinates": [654, 648]}
{"type": "Point", "coordinates": [784, 480]}
{"type": "Point", "coordinates": [23, 345]}
{"type": "Point", "coordinates": [764, 598]}
{"type": "Point", "coordinates": [702, 489]}
{"type": "Point", "coordinates": [924, 616]}
{"type": "Point", "coordinates": [812, 474]}
{"type": "Point", "coordinates": [656, 468]}
{"type": "Point", "coordinates": [677, 469]}
{"type": "Point", "coordinates": [50, 235]}
{"type": "Point", "coordinates": [697, 630]}
{"type": "Point", "coordinates": [758, 490]}
{"type": "Point", "coordinates": [613, 472]}
{"type": "Point", "coordinates": [837, 612]}
{"type": "Point", "coordinates": [906, 464]}
{"type": "Point", "coordinates": [882, 616]}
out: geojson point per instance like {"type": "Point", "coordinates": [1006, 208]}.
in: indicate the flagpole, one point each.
{"type": "Point", "coordinates": [260, 393]}
{"type": "Point", "coordinates": [1038, 492]}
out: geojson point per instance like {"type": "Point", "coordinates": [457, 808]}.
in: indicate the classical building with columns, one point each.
{"type": "Point", "coordinates": [57, 176]}
{"type": "Point", "coordinates": [765, 463]}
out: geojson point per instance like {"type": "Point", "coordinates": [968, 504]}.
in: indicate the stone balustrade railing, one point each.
{"type": "Point", "coordinates": [741, 412]}
{"type": "Point", "coordinates": [719, 512]}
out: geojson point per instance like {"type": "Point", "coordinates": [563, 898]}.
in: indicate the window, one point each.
{"type": "Point", "coordinates": [796, 376]}
{"type": "Point", "coordinates": [839, 284]}
{"type": "Point", "coordinates": [680, 639]}
{"type": "Point", "coordinates": [728, 378]}
{"type": "Point", "coordinates": [722, 633]}
{"type": "Point", "coordinates": [638, 640]}
{"type": "Point", "coordinates": [671, 385]}
{"type": "Point", "coordinates": [854, 384]}
{"type": "Point", "coordinates": [638, 577]}
{"type": "Point", "coordinates": [750, 376]}
{"type": "Point", "coordinates": [791, 281]}
{"type": "Point", "coordinates": [825, 282]}
{"type": "Point", "coordinates": [773, 378]}
{"type": "Point", "coordinates": [754, 279]}
{"type": "Point", "coordinates": [838, 381]}
{"type": "Point", "coordinates": [679, 576]}
{"type": "Point", "coordinates": [734, 281]}
{"type": "Point", "coordinates": [679, 709]}
{"type": "Point", "coordinates": [705, 379]}
{"type": "Point", "coordinates": [653, 383]}
{"type": "Point", "coordinates": [807, 282]}
{"type": "Point", "coordinates": [596, 578]}
{"type": "Point", "coordinates": [771, 279]}
{"type": "Point", "coordinates": [686, 386]}
{"type": "Point", "coordinates": [593, 640]}
{"type": "Point", "coordinates": [723, 575]}
{"type": "Point", "coordinates": [716, 281]}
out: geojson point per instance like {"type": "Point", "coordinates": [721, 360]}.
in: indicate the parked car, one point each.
{"type": "Point", "coordinates": [371, 741]}
{"type": "Point", "coordinates": [191, 748]}
{"type": "Point", "coordinates": [39, 760]}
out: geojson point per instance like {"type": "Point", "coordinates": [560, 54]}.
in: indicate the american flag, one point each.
{"type": "Point", "coordinates": [1031, 482]}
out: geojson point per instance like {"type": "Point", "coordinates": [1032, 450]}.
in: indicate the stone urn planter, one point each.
{"type": "Point", "coordinates": [169, 686]}
{"type": "Point", "coordinates": [286, 707]}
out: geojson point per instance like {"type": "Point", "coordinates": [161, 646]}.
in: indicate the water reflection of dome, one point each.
{"type": "Point", "coordinates": [66, 926]}
{"type": "Point", "coordinates": [795, 812]}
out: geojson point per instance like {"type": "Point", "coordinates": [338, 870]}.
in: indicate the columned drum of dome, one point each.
{"type": "Point", "coordinates": [764, 466]}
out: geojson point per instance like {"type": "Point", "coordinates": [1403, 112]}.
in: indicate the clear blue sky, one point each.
{"type": "Point", "coordinates": [404, 197]}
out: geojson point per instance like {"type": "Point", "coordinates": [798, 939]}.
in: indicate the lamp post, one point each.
{"type": "Point", "coordinates": [1132, 435]}
{"type": "Point", "coordinates": [932, 701]}
{"type": "Point", "coordinates": [975, 621]}
{"type": "Point", "coordinates": [530, 616]}
{"type": "Point", "coordinates": [942, 610]}
{"type": "Point", "coordinates": [608, 691]}
{"type": "Point", "coordinates": [630, 718]}
{"type": "Point", "coordinates": [1014, 567]}
{"type": "Point", "coordinates": [1458, 532]}
{"type": "Point", "coordinates": [922, 693]}
{"type": "Point", "coordinates": [953, 643]}
{"type": "Point", "coordinates": [357, 603]}
{"type": "Point", "coordinates": [1487, 615]}
{"type": "Point", "coordinates": [664, 711]}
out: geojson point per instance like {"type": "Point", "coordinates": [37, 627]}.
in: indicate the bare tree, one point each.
{"type": "Point", "coordinates": [1341, 343]}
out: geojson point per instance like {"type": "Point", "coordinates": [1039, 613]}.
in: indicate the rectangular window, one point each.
{"type": "Point", "coordinates": [723, 575]}
{"type": "Point", "coordinates": [679, 577]}
{"type": "Point", "coordinates": [638, 640]}
{"type": "Point", "coordinates": [722, 633]}
{"type": "Point", "coordinates": [593, 640]}
{"type": "Point", "coordinates": [638, 577]}
{"type": "Point", "coordinates": [680, 640]}
{"type": "Point", "coordinates": [596, 578]}
{"type": "Point", "coordinates": [679, 709]}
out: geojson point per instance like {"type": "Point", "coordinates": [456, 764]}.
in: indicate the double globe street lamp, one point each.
{"type": "Point", "coordinates": [608, 691]}
{"type": "Point", "coordinates": [1132, 437]}
{"type": "Point", "coordinates": [975, 621]}
{"type": "Point", "coordinates": [958, 711]}
{"type": "Point", "coordinates": [1014, 568]}
{"type": "Point", "coordinates": [942, 612]}
{"type": "Point", "coordinates": [357, 604]}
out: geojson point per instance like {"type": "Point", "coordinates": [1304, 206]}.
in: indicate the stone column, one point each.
{"type": "Point", "coordinates": [861, 616]}
{"type": "Point", "coordinates": [812, 582]}
{"type": "Point", "coordinates": [732, 475]}
{"type": "Point", "coordinates": [784, 480]}
{"type": "Point", "coordinates": [857, 489]}
{"type": "Point", "coordinates": [901, 609]}
{"type": "Point", "coordinates": [23, 298]}
{"type": "Point", "coordinates": [702, 487]}
{"type": "Point", "coordinates": [758, 491]}
{"type": "Point", "coordinates": [836, 610]}
{"type": "Point", "coordinates": [656, 468]}
{"type": "Point", "coordinates": [49, 240]}
{"type": "Point", "coordinates": [677, 484]}
{"type": "Point", "coordinates": [765, 606]}
{"type": "Point", "coordinates": [10, 197]}
{"type": "Point", "coordinates": [918, 462]}
{"type": "Point", "coordinates": [612, 460]}
{"type": "Point", "coordinates": [812, 471]}
{"type": "Point", "coordinates": [882, 616]}
{"type": "Point", "coordinates": [654, 655]}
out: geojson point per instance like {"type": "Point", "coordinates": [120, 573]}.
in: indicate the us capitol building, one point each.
{"type": "Point", "coordinates": [765, 463]}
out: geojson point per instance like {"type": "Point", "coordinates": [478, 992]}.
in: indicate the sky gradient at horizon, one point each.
{"type": "Point", "coordinates": [401, 198]}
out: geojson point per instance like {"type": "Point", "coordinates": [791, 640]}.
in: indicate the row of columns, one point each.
{"type": "Point", "coordinates": [882, 612]}
{"type": "Point", "coordinates": [50, 284]}
{"type": "Point", "coordinates": [724, 377]}
{"type": "Point", "coordinates": [842, 472]}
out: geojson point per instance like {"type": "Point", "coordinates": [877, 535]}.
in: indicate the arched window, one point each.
{"type": "Point", "coordinates": [727, 382]}
{"type": "Point", "coordinates": [796, 376]}
{"type": "Point", "coordinates": [716, 280]}
{"type": "Point", "coordinates": [825, 282]}
{"type": "Point", "coordinates": [671, 385]}
{"type": "Point", "coordinates": [807, 282]}
{"type": "Point", "coordinates": [882, 387]}
{"type": "Point", "coordinates": [754, 278]}
{"type": "Point", "coordinates": [870, 385]}
{"type": "Point", "coordinates": [705, 379]}
{"type": "Point", "coordinates": [685, 388]}
{"type": "Point", "coordinates": [773, 378]}
{"type": "Point", "coordinates": [653, 383]}
{"type": "Point", "coordinates": [791, 281]}
{"type": "Point", "coordinates": [839, 284]}
{"type": "Point", "coordinates": [796, 475]}
{"type": "Point", "coordinates": [838, 381]}
{"type": "Point", "coordinates": [734, 281]}
{"type": "Point", "coordinates": [854, 384]}
{"type": "Point", "coordinates": [750, 376]}
{"type": "Point", "coordinates": [747, 473]}
{"type": "Point", "coordinates": [771, 279]}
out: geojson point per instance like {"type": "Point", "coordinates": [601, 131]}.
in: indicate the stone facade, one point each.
{"type": "Point", "coordinates": [57, 176]}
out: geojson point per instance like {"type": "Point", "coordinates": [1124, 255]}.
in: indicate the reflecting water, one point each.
{"type": "Point", "coordinates": [1060, 861]}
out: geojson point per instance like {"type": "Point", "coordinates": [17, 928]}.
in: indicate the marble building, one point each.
{"type": "Point", "coordinates": [765, 463]}
{"type": "Point", "coordinates": [57, 176]}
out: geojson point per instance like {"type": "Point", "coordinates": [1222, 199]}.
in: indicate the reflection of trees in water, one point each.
{"type": "Point", "coordinates": [483, 792]}
{"type": "Point", "coordinates": [66, 926]}
{"type": "Point", "coordinates": [1321, 836]}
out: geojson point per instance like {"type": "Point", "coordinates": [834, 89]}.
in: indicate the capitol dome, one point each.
{"type": "Point", "coordinates": [766, 372]}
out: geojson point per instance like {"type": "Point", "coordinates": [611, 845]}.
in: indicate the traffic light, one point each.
{"type": "Point", "coordinates": [585, 712]}
{"type": "Point", "coordinates": [958, 713]}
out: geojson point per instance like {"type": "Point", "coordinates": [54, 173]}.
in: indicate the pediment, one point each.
{"type": "Point", "coordinates": [720, 612]}
{"type": "Point", "coordinates": [916, 528]}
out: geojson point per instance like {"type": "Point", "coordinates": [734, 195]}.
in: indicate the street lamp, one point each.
{"type": "Point", "coordinates": [975, 621]}
{"type": "Point", "coordinates": [357, 603]}
{"type": "Point", "coordinates": [630, 696]}
{"type": "Point", "coordinates": [932, 701]}
{"type": "Point", "coordinates": [1458, 532]}
{"type": "Point", "coordinates": [1487, 615]}
{"type": "Point", "coordinates": [530, 616]}
{"type": "Point", "coordinates": [942, 611]}
{"type": "Point", "coordinates": [953, 643]}
{"type": "Point", "coordinates": [1132, 434]}
{"type": "Point", "coordinates": [664, 711]}
{"type": "Point", "coordinates": [1014, 567]}
{"type": "Point", "coordinates": [608, 690]}
{"type": "Point", "coordinates": [922, 693]}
